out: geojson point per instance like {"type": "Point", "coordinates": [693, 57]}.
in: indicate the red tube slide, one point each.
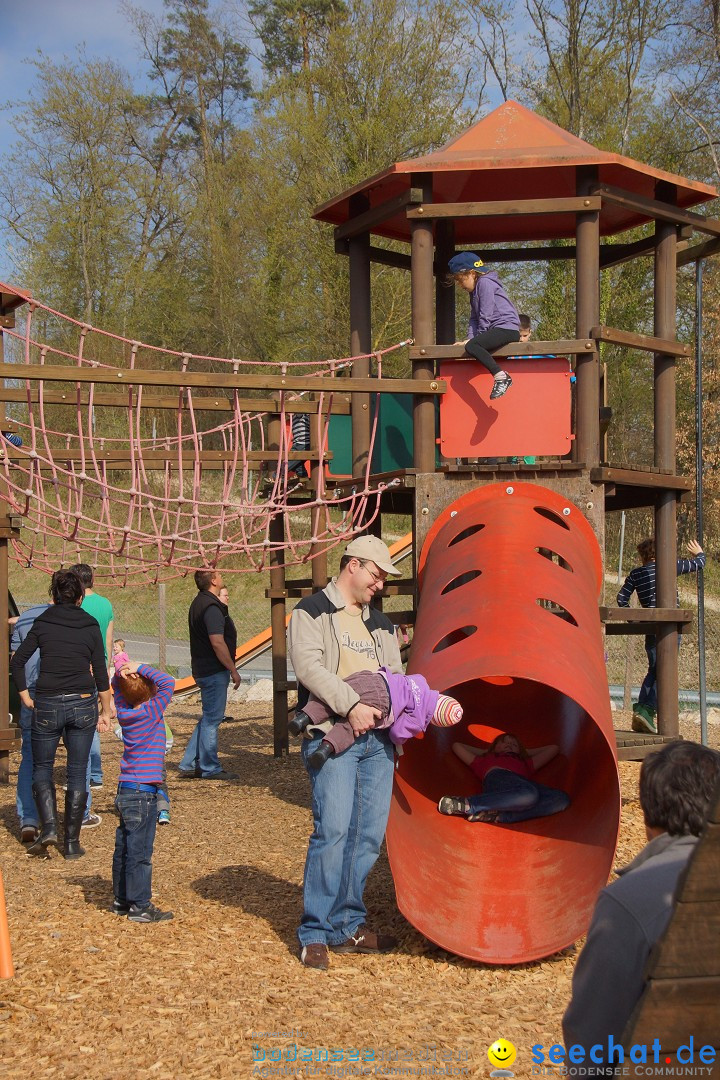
{"type": "Point", "coordinates": [508, 623]}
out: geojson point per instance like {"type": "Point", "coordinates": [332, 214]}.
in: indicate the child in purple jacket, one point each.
{"type": "Point", "coordinates": [405, 702]}
{"type": "Point", "coordinates": [494, 320]}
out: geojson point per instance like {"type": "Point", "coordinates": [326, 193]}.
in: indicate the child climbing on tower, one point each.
{"type": "Point", "coordinates": [642, 580]}
{"type": "Point", "coordinates": [509, 793]}
{"type": "Point", "coordinates": [142, 695]}
{"type": "Point", "coordinates": [404, 704]}
{"type": "Point", "coordinates": [494, 320]}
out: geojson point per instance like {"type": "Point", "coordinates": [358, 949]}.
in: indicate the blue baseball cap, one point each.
{"type": "Point", "coordinates": [465, 260]}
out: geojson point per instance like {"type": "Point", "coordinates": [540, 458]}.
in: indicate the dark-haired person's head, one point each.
{"type": "Point", "coordinates": [66, 588]}
{"type": "Point", "coordinates": [85, 573]}
{"type": "Point", "coordinates": [677, 785]}
{"type": "Point", "coordinates": [135, 688]}
{"type": "Point", "coordinates": [646, 551]}
{"type": "Point", "coordinates": [206, 579]}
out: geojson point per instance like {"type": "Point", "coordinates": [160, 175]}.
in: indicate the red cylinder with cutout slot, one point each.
{"type": "Point", "coordinates": [508, 623]}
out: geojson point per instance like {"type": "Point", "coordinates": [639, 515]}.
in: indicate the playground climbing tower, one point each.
{"type": "Point", "coordinates": [509, 557]}
{"type": "Point", "coordinates": [514, 179]}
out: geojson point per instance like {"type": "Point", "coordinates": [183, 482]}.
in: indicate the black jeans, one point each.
{"type": "Point", "coordinates": [134, 839]}
{"type": "Point", "coordinates": [490, 340]}
{"type": "Point", "coordinates": [72, 717]}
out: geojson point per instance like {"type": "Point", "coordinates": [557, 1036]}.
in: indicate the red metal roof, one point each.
{"type": "Point", "coordinates": [514, 154]}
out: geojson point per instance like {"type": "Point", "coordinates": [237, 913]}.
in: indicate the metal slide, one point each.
{"type": "Point", "coordinates": [508, 623]}
{"type": "Point", "coordinates": [262, 642]}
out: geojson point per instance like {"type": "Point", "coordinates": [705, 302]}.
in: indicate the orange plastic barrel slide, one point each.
{"type": "Point", "coordinates": [508, 623]}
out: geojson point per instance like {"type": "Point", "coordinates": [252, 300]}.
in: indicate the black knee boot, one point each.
{"type": "Point", "coordinates": [75, 802]}
{"type": "Point", "coordinates": [44, 794]}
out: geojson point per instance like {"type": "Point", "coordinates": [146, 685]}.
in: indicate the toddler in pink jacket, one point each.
{"type": "Point", "coordinates": [406, 704]}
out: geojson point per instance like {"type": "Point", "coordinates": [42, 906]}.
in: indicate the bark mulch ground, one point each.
{"type": "Point", "coordinates": [96, 996]}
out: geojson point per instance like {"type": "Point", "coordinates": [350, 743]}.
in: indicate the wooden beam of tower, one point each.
{"type": "Point", "coordinates": [616, 254]}
{"type": "Point", "coordinates": [125, 377]}
{"type": "Point", "coordinates": [383, 256]}
{"type": "Point", "coordinates": [569, 347]}
{"type": "Point", "coordinates": [366, 221]}
{"type": "Point", "coordinates": [699, 251]}
{"type": "Point", "coordinates": [156, 401]}
{"type": "Point", "coordinates": [655, 209]}
{"type": "Point", "coordinates": [121, 459]}
{"type": "Point", "coordinates": [639, 341]}
{"type": "Point", "coordinates": [512, 208]}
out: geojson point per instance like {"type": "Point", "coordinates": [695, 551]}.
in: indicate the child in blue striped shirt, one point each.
{"type": "Point", "coordinates": [642, 581]}
{"type": "Point", "coordinates": [142, 695]}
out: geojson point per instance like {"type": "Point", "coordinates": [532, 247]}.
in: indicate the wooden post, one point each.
{"type": "Point", "coordinates": [666, 504]}
{"type": "Point", "coordinates": [587, 278]}
{"type": "Point", "coordinates": [444, 294]}
{"type": "Point", "coordinates": [5, 729]}
{"type": "Point", "coordinates": [360, 335]}
{"type": "Point", "coordinates": [7, 734]}
{"type": "Point", "coordinates": [276, 534]}
{"type": "Point", "coordinates": [318, 563]}
{"type": "Point", "coordinates": [422, 288]}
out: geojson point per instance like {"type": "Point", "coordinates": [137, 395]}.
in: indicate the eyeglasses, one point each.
{"type": "Point", "coordinates": [377, 577]}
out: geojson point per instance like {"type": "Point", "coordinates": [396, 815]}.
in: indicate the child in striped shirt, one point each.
{"type": "Point", "coordinates": [642, 581]}
{"type": "Point", "coordinates": [142, 695]}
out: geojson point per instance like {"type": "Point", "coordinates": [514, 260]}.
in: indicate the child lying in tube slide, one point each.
{"type": "Point", "coordinates": [405, 705]}
{"type": "Point", "coordinates": [508, 793]}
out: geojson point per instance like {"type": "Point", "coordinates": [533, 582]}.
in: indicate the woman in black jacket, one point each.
{"type": "Point", "coordinates": [72, 675]}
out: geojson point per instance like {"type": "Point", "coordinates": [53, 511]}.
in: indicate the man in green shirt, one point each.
{"type": "Point", "coordinates": [101, 609]}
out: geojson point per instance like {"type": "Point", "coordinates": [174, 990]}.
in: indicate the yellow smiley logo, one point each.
{"type": "Point", "coordinates": [502, 1053]}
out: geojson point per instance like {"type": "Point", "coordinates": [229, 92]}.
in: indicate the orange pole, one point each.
{"type": "Point", "coordinates": [6, 965]}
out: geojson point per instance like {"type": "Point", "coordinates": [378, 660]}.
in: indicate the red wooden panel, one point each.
{"type": "Point", "coordinates": [533, 417]}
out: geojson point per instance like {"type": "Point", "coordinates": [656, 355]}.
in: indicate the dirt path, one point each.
{"type": "Point", "coordinates": [96, 996]}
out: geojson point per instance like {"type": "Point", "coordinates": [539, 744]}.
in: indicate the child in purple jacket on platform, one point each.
{"type": "Point", "coordinates": [494, 320]}
{"type": "Point", "coordinates": [406, 705]}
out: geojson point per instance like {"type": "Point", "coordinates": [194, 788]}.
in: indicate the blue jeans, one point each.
{"type": "Point", "coordinates": [202, 750]}
{"type": "Point", "coordinates": [134, 839]}
{"type": "Point", "coordinates": [26, 808]}
{"type": "Point", "coordinates": [72, 717]}
{"type": "Point", "coordinates": [518, 799]}
{"type": "Point", "coordinates": [96, 773]}
{"type": "Point", "coordinates": [648, 690]}
{"type": "Point", "coordinates": [350, 804]}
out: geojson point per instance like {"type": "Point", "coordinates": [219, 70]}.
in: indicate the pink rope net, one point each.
{"type": "Point", "coordinates": [101, 484]}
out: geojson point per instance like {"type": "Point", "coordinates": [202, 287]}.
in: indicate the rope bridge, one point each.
{"type": "Point", "coordinates": [95, 481]}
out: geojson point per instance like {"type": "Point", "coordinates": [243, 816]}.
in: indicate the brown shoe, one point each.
{"type": "Point", "coordinates": [366, 941]}
{"type": "Point", "coordinates": [29, 834]}
{"type": "Point", "coordinates": [315, 956]}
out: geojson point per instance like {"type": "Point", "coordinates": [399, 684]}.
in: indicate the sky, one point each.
{"type": "Point", "coordinates": [56, 28]}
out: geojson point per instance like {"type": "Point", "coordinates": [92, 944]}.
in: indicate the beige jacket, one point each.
{"type": "Point", "coordinates": [314, 648]}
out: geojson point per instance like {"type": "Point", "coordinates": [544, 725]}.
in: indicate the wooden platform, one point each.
{"type": "Point", "coordinates": [635, 745]}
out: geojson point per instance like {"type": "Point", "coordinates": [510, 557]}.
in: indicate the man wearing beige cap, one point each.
{"type": "Point", "coordinates": [331, 635]}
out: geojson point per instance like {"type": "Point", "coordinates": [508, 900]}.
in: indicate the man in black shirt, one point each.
{"type": "Point", "coordinates": [213, 642]}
